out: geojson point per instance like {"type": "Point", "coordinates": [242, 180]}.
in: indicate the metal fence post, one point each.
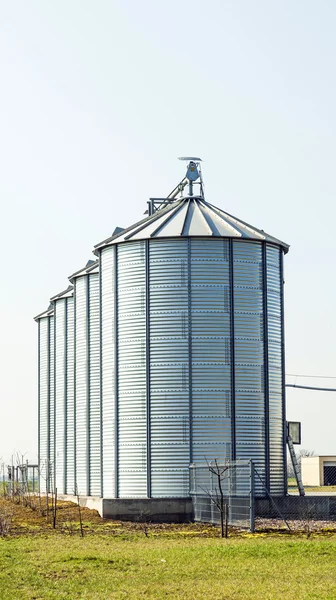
{"type": "Point", "coordinates": [252, 503]}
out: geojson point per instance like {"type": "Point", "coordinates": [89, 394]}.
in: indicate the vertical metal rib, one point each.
{"type": "Point", "coordinates": [65, 453]}
{"type": "Point", "coordinates": [53, 400]}
{"type": "Point", "coordinates": [116, 383]}
{"type": "Point", "coordinates": [266, 367]}
{"type": "Point", "coordinates": [148, 407]}
{"type": "Point", "coordinates": [88, 428]}
{"type": "Point", "coordinates": [74, 388]}
{"type": "Point", "coordinates": [283, 370]}
{"type": "Point", "coordinates": [101, 376]}
{"type": "Point", "coordinates": [185, 217]}
{"type": "Point", "coordinates": [232, 348]}
{"type": "Point", "coordinates": [39, 401]}
{"type": "Point", "coordinates": [190, 355]}
{"type": "Point", "coordinates": [48, 402]}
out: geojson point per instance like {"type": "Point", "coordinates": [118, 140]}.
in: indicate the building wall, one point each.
{"type": "Point", "coordinates": [313, 469]}
{"type": "Point", "coordinates": [310, 470]}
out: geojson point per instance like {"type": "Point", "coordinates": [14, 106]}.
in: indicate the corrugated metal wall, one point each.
{"type": "Point", "coordinates": [52, 429]}
{"type": "Point", "coordinates": [81, 387]}
{"type": "Point", "coordinates": [276, 452]}
{"type": "Point", "coordinates": [94, 386]}
{"type": "Point", "coordinates": [64, 394]}
{"type": "Point", "coordinates": [210, 349]}
{"type": "Point", "coordinates": [60, 392]}
{"type": "Point", "coordinates": [70, 400]}
{"type": "Point", "coordinates": [131, 335]}
{"type": "Point", "coordinates": [44, 399]}
{"type": "Point", "coordinates": [249, 354]}
{"type": "Point", "coordinates": [169, 367]}
{"type": "Point", "coordinates": [87, 387]}
{"type": "Point", "coordinates": [108, 331]}
{"type": "Point", "coordinates": [177, 316]}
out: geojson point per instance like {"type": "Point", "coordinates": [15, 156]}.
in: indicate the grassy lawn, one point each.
{"type": "Point", "coordinates": [292, 486]}
{"type": "Point", "coordinates": [133, 566]}
{"type": "Point", "coordinates": [125, 560]}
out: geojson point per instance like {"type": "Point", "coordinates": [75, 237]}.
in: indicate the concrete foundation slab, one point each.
{"type": "Point", "coordinates": [297, 507]}
{"type": "Point", "coordinates": [180, 510]}
{"type": "Point", "coordinates": [156, 510]}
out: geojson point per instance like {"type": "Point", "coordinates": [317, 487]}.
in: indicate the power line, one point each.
{"type": "Point", "coordinates": [311, 376]}
{"type": "Point", "coordinates": [307, 387]}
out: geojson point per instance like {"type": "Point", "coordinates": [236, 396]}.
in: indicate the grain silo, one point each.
{"type": "Point", "coordinates": [191, 347]}
{"type": "Point", "coordinates": [87, 380]}
{"type": "Point", "coordinates": [46, 422]}
{"type": "Point", "coordinates": [64, 391]}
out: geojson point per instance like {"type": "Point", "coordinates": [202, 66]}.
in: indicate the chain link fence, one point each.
{"type": "Point", "coordinates": [319, 472]}
{"type": "Point", "coordinates": [223, 491]}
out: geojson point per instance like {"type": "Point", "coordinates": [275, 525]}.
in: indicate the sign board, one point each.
{"type": "Point", "coordinates": [294, 431]}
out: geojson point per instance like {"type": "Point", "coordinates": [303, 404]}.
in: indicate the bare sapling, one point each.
{"type": "Point", "coordinates": [218, 497]}
{"type": "Point", "coordinates": [80, 513]}
{"type": "Point", "coordinates": [55, 509]}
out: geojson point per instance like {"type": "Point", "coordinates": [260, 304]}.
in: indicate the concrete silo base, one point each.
{"type": "Point", "coordinates": [155, 510]}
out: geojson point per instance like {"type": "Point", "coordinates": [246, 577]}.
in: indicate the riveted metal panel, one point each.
{"type": "Point", "coordinates": [174, 348]}
{"type": "Point", "coordinates": [276, 433]}
{"type": "Point", "coordinates": [169, 367]}
{"type": "Point", "coordinates": [81, 360]}
{"type": "Point", "coordinates": [94, 386]}
{"type": "Point", "coordinates": [52, 401]}
{"type": "Point", "coordinates": [211, 351]}
{"type": "Point", "coordinates": [249, 354]}
{"type": "Point", "coordinates": [132, 430]}
{"type": "Point", "coordinates": [107, 275]}
{"type": "Point", "coordinates": [70, 400]}
{"type": "Point", "coordinates": [60, 392]}
{"type": "Point", "coordinates": [44, 416]}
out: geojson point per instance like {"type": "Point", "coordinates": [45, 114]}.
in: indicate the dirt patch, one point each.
{"type": "Point", "coordinates": [33, 516]}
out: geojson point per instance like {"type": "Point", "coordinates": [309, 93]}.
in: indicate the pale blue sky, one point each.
{"type": "Point", "coordinates": [97, 100]}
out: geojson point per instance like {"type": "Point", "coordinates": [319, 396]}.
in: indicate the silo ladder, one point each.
{"type": "Point", "coordinates": [295, 465]}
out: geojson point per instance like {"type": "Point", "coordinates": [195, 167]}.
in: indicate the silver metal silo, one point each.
{"type": "Point", "coordinates": [46, 423]}
{"type": "Point", "coordinates": [192, 349]}
{"type": "Point", "coordinates": [64, 391]}
{"type": "Point", "coordinates": [87, 380]}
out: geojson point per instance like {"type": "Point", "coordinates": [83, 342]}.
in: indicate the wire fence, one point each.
{"type": "Point", "coordinates": [223, 491]}
{"type": "Point", "coordinates": [318, 472]}
{"type": "Point", "coordinates": [20, 479]}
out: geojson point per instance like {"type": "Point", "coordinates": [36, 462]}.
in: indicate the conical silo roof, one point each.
{"type": "Point", "coordinates": [46, 313]}
{"type": "Point", "coordinates": [92, 266]}
{"type": "Point", "coordinates": [65, 294]}
{"type": "Point", "coordinates": [190, 217]}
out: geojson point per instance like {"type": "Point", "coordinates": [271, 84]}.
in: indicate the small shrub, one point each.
{"type": "Point", "coordinates": [6, 518]}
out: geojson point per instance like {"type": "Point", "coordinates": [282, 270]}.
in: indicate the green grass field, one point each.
{"type": "Point", "coordinates": [292, 486]}
{"type": "Point", "coordinates": [132, 566]}
{"type": "Point", "coordinates": [129, 560]}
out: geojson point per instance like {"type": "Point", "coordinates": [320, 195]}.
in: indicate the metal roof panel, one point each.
{"type": "Point", "coordinates": [190, 217]}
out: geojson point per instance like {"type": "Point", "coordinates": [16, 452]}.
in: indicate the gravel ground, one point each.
{"type": "Point", "coordinates": [295, 525]}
